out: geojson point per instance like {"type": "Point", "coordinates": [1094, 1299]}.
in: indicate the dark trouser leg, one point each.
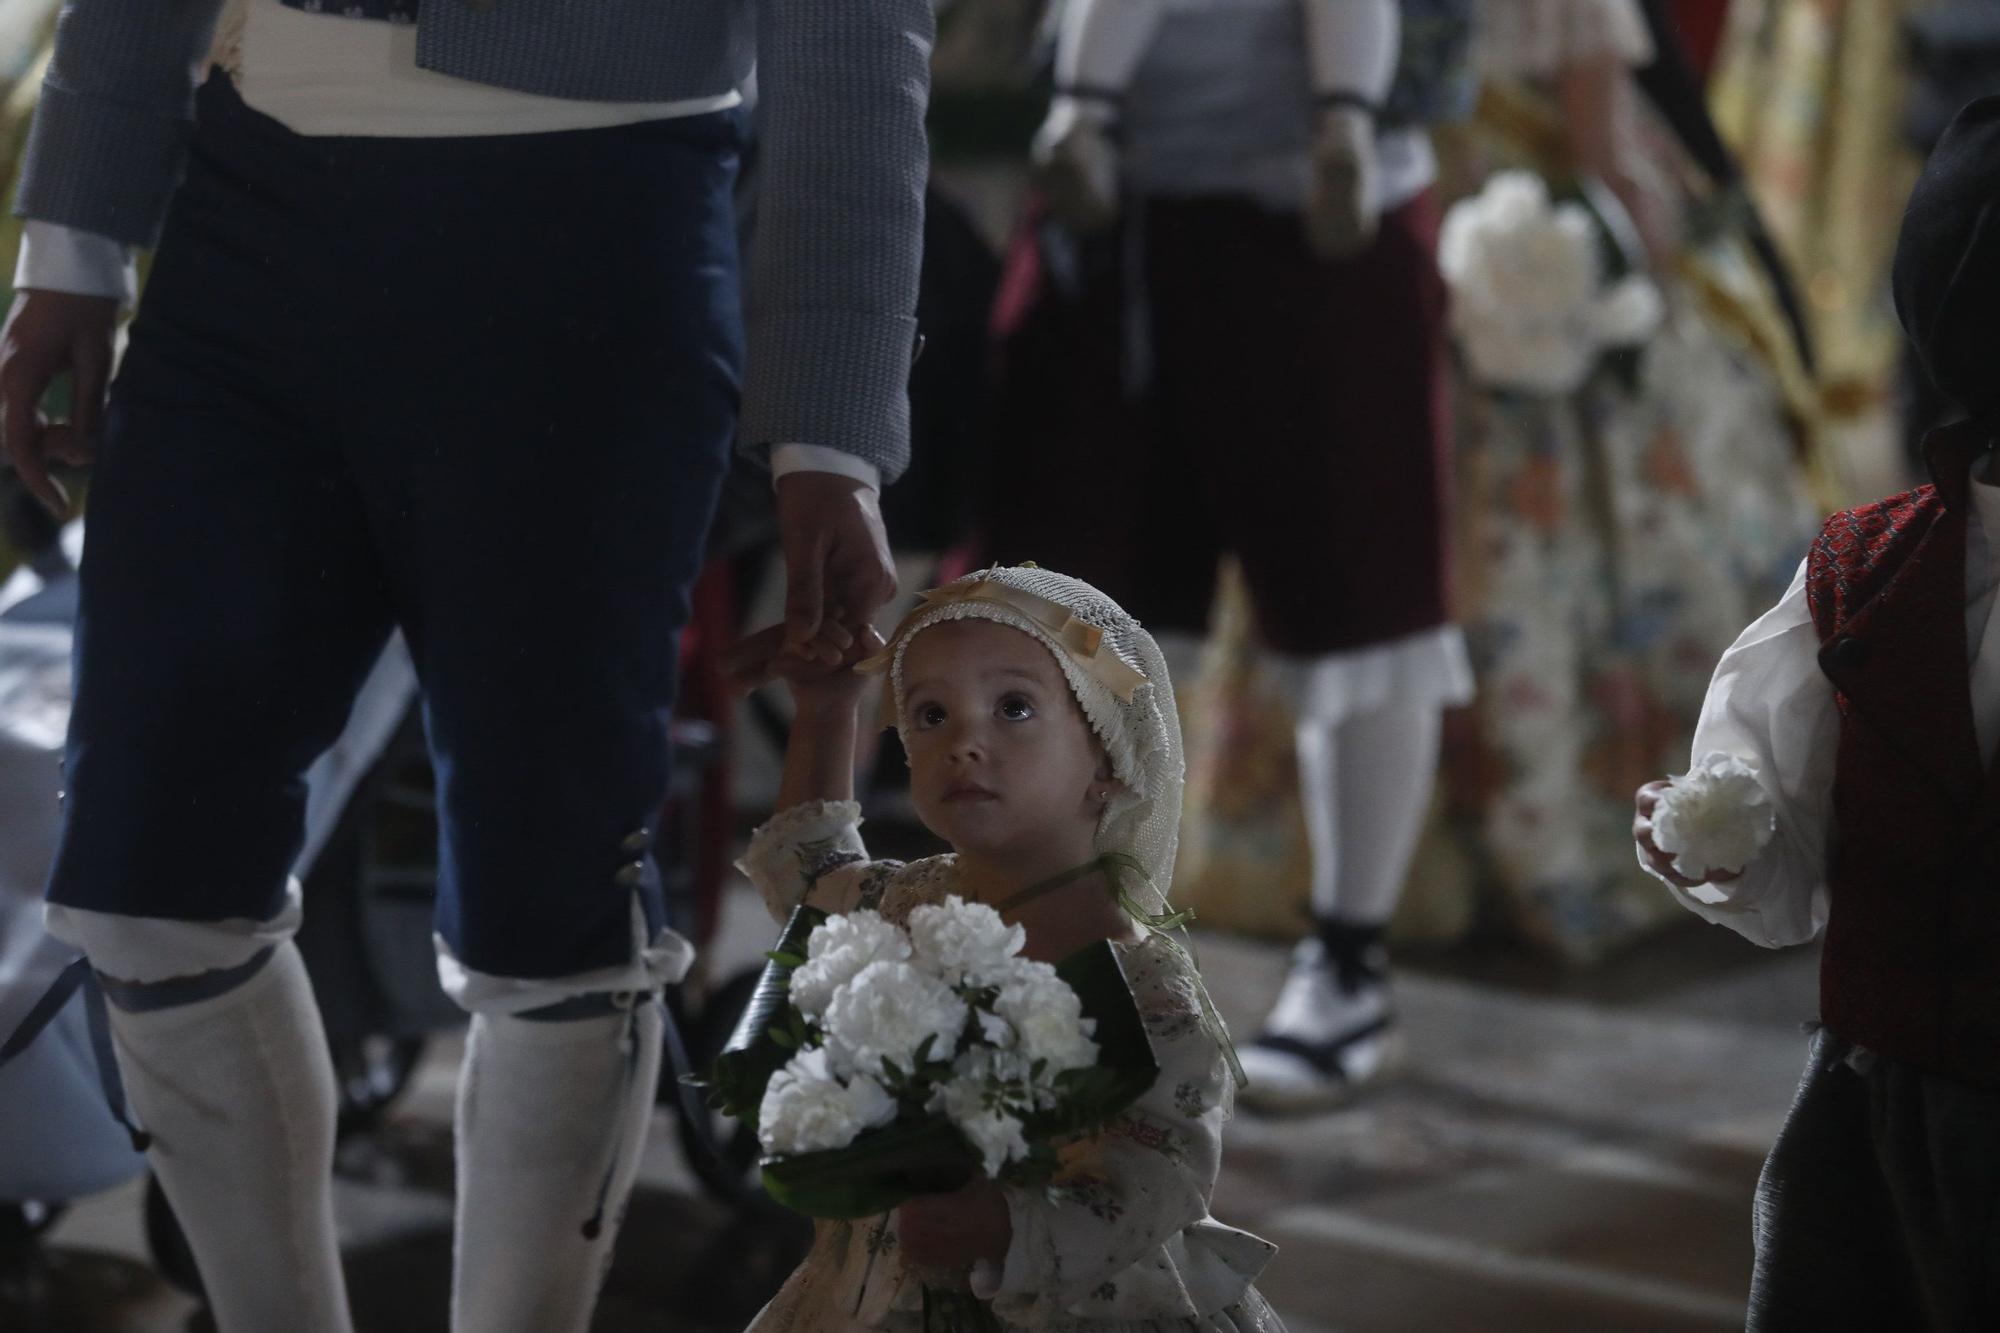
{"type": "Point", "coordinates": [553, 367]}
{"type": "Point", "coordinates": [231, 604]}
{"type": "Point", "coordinates": [1830, 1253]}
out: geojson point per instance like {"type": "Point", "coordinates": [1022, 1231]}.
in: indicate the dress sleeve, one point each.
{"type": "Point", "coordinates": [1351, 46]}
{"type": "Point", "coordinates": [810, 849]}
{"type": "Point", "coordinates": [1538, 39]}
{"type": "Point", "coordinates": [1769, 702]}
{"type": "Point", "coordinates": [1100, 43]}
{"type": "Point", "coordinates": [1124, 1232]}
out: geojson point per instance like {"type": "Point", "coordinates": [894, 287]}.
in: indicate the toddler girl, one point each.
{"type": "Point", "coordinates": [1043, 747]}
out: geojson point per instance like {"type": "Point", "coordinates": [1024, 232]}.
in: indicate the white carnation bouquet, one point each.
{"type": "Point", "coordinates": [1714, 818]}
{"type": "Point", "coordinates": [1532, 304]}
{"type": "Point", "coordinates": [878, 1062]}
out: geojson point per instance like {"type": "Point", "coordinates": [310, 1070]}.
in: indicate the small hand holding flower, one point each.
{"type": "Point", "coordinates": [955, 1231]}
{"type": "Point", "coordinates": [1712, 821]}
{"type": "Point", "coordinates": [1656, 862]}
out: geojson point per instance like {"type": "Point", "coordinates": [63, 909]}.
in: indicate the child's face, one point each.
{"type": "Point", "coordinates": [1002, 762]}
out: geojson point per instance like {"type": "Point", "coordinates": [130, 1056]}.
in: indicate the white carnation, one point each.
{"type": "Point", "coordinates": [993, 1028]}
{"type": "Point", "coordinates": [837, 950]}
{"type": "Point", "coordinates": [806, 1109]}
{"type": "Point", "coordinates": [886, 1012]}
{"type": "Point", "coordinates": [997, 1137]}
{"type": "Point", "coordinates": [872, 1104]}
{"type": "Point", "coordinates": [965, 943]}
{"type": "Point", "coordinates": [1530, 303]}
{"type": "Point", "coordinates": [1047, 1018]}
{"type": "Point", "coordinates": [1715, 818]}
{"type": "Point", "coordinates": [988, 1092]}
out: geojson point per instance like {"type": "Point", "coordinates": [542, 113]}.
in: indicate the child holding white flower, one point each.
{"type": "Point", "coordinates": [1043, 746]}
{"type": "Point", "coordinates": [1867, 706]}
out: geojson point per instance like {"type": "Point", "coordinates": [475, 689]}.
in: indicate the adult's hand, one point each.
{"type": "Point", "coordinates": [1342, 202]}
{"type": "Point", "coordinates": [837, 562]}
{"type": "Point", "coordinates": [46, 334]}
{"type": "Point", "coordinates": [1077, 167]}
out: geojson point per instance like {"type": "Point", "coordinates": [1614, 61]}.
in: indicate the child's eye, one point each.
{"type": "Point", "coordinates": [930, 715]}
{"type": "Point", "coordinates": [1017, 708]}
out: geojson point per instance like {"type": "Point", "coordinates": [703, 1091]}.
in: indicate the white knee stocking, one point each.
{"type": "Point", "coordinates": [1365, 784]}
{"type": "Point", "coordinates": [238, 1094]}
{"type": "Point", "coordinates": [548, 1112]}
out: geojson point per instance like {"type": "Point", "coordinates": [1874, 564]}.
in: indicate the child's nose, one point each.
{"type": "Point", "coordinates": [967, 741]}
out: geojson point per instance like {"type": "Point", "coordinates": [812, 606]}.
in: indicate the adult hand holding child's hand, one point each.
{"type": "Point", "coordinates": [825, 664]}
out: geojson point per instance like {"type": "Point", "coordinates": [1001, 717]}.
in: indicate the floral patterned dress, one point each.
{"type": "Point", "coordinates": [1123, 1242]}
{"type": "Point", "coordinates": [1616, 538]}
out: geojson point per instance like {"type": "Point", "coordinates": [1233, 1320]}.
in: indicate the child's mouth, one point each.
{"type": "Point", "coordinates": [968, 791]}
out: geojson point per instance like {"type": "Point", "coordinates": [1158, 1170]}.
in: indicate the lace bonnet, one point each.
{"type": "Point", "coordinates": [1115, 671]}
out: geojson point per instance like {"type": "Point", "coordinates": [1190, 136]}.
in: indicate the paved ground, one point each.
{"type": "Point", "coordinates": [1557, 1154]}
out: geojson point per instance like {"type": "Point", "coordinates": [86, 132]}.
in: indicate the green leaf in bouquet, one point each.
{"type": "Point", "coordinates": [757, 1049]}
{"type": "Point", "coordinates": [876, 1172]}
{"type": "Point", "coordinates": [1125, 1066]}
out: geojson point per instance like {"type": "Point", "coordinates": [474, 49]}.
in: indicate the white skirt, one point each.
{"type": "Point", "coordinates": [1428, 669]}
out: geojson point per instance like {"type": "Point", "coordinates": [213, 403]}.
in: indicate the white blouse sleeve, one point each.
{"type": "Point", "coordinates": [1100, 42]}
{"type": "Point", "coordinates": [1352, 46]}
{"type": "Point", "coordinates": [1538, 39]}
{"type": "Point", "coordinates": [801, 851]}
{"type": "Point", "coordinates": [1769, 702]}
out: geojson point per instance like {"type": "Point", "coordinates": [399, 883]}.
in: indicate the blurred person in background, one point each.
{"type": "Point", "coordinates": [1625, 506]}
{"type": "Point", "coordinates": [1224, 337]}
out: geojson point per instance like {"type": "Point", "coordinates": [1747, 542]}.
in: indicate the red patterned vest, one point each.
{"type": "Point", "coordinates": [1912, 962]}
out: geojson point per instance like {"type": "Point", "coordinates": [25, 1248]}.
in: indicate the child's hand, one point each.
{"type": "Point", "coordinates": [824, 668]}
{"type": "Point", "coordinates": [1651, 857]}
{"type": "Point", "coordinates": [955, 1231]}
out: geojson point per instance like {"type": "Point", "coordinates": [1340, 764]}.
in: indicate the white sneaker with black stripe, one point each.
{"type": "Point", "coordinates": [1331, 1032]}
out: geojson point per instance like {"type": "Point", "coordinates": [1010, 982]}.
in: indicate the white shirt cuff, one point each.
{"type": "Point", "coordinates": [56, 258]}
{"type": "Point", "coordinates": [789, 458]}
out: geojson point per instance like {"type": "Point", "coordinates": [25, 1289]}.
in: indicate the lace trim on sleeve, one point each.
{"type": "Point", "coordinates": [797, 847]}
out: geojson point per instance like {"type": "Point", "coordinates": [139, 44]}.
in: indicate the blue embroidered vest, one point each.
{"type": "Point", "coordinates": [395, 11]}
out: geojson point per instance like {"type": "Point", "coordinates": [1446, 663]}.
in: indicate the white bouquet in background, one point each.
{"type": "Point", "coordinates": [1531, 304]}
{"type": "Point", "coordinates": [1714, 818]}
{"type": "Point", "coordinates": [878, 1062]}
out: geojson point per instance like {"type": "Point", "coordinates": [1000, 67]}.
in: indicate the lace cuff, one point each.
{"type": "Point", "coordinates": [790, 852]}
